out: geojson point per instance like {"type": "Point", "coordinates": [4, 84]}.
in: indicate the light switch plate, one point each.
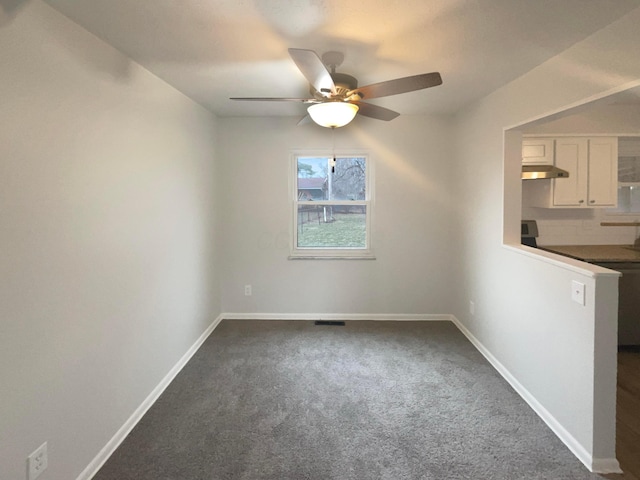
{"type": "Point", "coordinates": [577, 292]}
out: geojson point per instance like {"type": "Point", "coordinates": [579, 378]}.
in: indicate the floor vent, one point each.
{"type": "Point", "coordinates": [328, 322]}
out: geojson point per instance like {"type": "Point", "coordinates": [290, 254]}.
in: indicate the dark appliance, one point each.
{"type": "Point", "coordinates": [528, 233]}
{"type": "Point", "coordinates": [628, 303]}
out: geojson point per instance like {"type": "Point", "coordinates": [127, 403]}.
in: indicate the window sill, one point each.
{"type": "Point", "coordinates": [332, 256]}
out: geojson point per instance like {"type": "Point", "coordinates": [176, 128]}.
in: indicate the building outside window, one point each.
{"type": "Point", "coordinates": [332, 206]}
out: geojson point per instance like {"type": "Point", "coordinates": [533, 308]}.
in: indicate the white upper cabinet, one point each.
{"type": "Point", "coordinates": [537, 151]}
{"type": "Point", "coordinates": [603, 172]}
{"type": "Point", "coordinates": [592, 163]}
{"type": "Point", "coordinates": [572, 156]}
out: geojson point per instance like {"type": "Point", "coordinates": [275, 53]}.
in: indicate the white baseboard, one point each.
{"type": "Point", "coordinates": [137, 415]}
{"type": "Point", "coordinates": [596, 465]}
{"type": "Point", "coordinates": [394, 317]}
{"type": "Point", "coordinates": [605, 465]}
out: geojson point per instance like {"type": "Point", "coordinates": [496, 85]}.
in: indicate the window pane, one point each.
{"type": "Point", "coordinates": [634, 200]}
{"type": "Point", "coordinates": [628, 200]}
{"type": "Point", "coordinates": [332, 226]}
{"type": "Point", "coordinates": [348, 179]}
{"type": "Point", "coordinates": [629, 169]}
{"type": "Point", "coordinates": [312, 178]}
{"type": "Point", "coordinates": [624, 200]}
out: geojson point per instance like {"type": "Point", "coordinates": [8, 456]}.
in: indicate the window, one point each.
{"type": "Point", "coordinates": [628, 186]}
{"type": "Point", "coordinates": [332, 206]}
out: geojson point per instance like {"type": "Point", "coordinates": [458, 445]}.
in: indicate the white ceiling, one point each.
{"type": "Point", "coordinates": [215, 49]}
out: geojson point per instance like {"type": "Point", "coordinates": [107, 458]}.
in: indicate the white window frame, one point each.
{"type": "Point", "coordinates": [624, 152]}
{"type": "Point", "coordinates": [353, 253]}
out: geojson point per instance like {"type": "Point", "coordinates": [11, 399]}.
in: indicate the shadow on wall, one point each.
{"type": "Point", "coordinates": [9, 9]}
{"type": "Point", "coordinates": [110, 62]}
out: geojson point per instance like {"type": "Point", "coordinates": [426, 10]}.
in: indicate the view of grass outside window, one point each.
{"type": "Point", "coordinates": [332, 205]}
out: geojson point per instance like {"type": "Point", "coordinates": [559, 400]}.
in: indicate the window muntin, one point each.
{"type": "Point", "coordinates": [332, 206]}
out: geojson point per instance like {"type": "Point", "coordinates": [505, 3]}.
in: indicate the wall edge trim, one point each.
{"type": "Point", "coordinates": [605, 465]}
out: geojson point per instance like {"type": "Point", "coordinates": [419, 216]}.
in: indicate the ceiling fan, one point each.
{"type": "Point", "coordinates": [336, 97]}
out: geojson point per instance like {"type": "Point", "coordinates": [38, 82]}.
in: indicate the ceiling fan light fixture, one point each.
{"type": "Point", "coordinates": [332, 114]}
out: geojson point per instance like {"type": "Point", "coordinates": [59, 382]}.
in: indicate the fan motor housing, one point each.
{"type": "Point", "coordinates": [343, 82]}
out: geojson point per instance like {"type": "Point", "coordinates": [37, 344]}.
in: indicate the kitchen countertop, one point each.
{"type": "Point", "coordinates": [596, 253]}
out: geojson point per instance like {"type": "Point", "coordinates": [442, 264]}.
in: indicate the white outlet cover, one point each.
{"type": "Point", "coordinates": [577, 292]}
{"type": "Point", "coordinates": [37, 462]}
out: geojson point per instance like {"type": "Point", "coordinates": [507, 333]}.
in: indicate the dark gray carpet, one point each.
{"type": "Point", "coordinates": [369, 400]}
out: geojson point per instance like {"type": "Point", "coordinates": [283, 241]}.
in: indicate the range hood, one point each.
{"type": "Point", "coordinates": [534, 172]}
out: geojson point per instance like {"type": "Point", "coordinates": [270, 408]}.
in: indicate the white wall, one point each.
{"type": "Point", "coordinates": [412, 217]}
{"type": "Point", "coordinates": [107, 215]}
{"type": "Point", "coordinates": [524, 314]}
{"type": "Point", "coordinates": [615, 120]}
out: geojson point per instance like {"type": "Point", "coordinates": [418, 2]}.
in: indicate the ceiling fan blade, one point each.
{"type": "Point", "coordinates": [313, 69]}
{"type": "Point", "coordinates": [375, 111]}
{"type": "Point", "coordinates": [399, 85]}
{"type": "Point", "coordinates": [272, 99]}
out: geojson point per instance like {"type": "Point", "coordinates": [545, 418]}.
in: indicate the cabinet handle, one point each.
{"type": "Point", "coordinates": [592, 201]}
{"type": "Point", "coordinates": [580, 201]}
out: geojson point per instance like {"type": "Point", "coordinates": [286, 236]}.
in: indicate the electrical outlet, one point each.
{"type": "Point", "coordinates": [577, 292]}
{"type": "Point", "coordinates": [472, 308]}
{"type": "Point", "coordinates": [247, 290]}
{"type": "Point", "coordinates": [37, 462]}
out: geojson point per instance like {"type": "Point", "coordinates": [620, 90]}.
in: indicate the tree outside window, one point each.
{"type": "Point", "coordinates": [332, 207]}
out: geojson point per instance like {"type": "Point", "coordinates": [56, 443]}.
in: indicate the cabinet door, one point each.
{"type": "Point", "coordinates": [603, 172]}
{"type": "Point", "coordinates": [537, 151]}
{"type": "Point", "coordinates": [571, 155]}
